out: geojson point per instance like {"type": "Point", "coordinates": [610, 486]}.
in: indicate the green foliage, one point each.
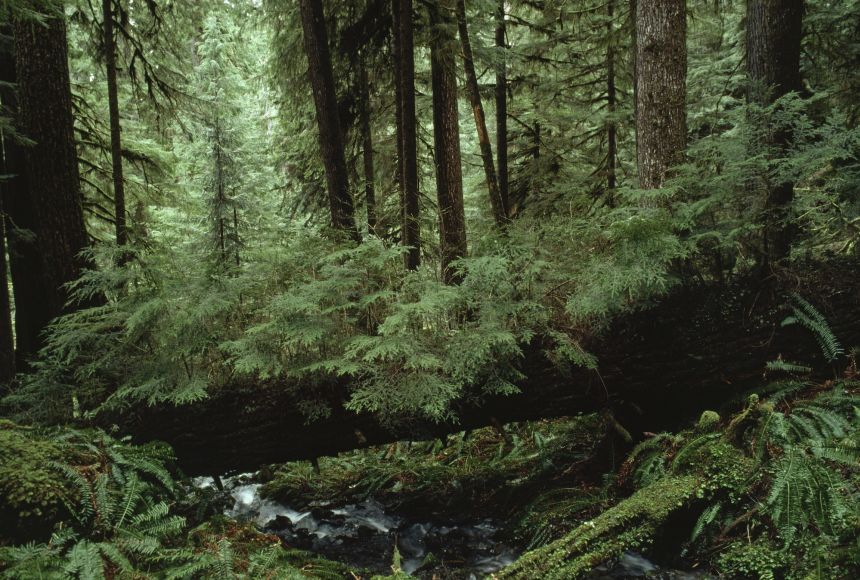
{"type": "Point", "coordinates": [810, 318]}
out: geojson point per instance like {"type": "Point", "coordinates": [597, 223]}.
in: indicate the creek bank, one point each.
{"type": "Point", "coordinates": [364, 534]}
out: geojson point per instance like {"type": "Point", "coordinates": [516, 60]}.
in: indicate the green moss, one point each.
{"type": "Point", "coordinates": [33, 495]}
{"type": "Point", "coordinates": [708, 421]}
{"type": "Point", "coordinates": [629, 525]}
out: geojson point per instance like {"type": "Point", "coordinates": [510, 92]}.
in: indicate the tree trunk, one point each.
{"type": "Point", "coordinates": [115, 132]}
{"type": "Point", "coordinates": [646, 359]}
{"type": "Point", "coordinates": [774, 32]}
{"type": "Point", "coordinates": [20, 225]}
{"type": "Point", "coordinates": [7, 336]}
{"type": "Point", "coordinates": [611, 102]}
{"type": "Point", "coordinates": [367, 150]}
{"type": "Point", "coordinates": [51, 164]}
{"type": "Point", "coordinates": [500, 213]}
{"type": "Point", "coordinates": [398, 112]}
{"type": "Point", "coordinates": [502, 107]}
{"type": "Point", "coordinates": [411, 207]}
{"type": "Point", "coordinates": [446, 137]}
{"type": "Point", "coordinates": [661, 71]}
{"type": "Point", "coordinates": [328, 120]}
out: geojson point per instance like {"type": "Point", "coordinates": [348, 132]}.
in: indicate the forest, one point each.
{"type": "Point", "coordinates": [437, 289]}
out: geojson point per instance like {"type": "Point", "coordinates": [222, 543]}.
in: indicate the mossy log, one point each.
{"type": "Point", "coordinates": [660, 367]}
{"type": "Point", "coordinates": [631, 524]}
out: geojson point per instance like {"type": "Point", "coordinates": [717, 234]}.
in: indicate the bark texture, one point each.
{"type": "Point", "coordinates": [446, 137]}
{"type": "Point", "coordinates": [409, 146]}
{"type": "Point", "coordinates": [115, 130]}
{"type": "Point", "coordinates": [661, 89]}
{"type": "Point", "coordinates": [497, 203]}
{"type": "Point", "coordinates": [51, 165]}
{"type": "Point", "coordinates": [611, 105]}
{"type": "Point", "coordinates": [328, 119]}
{"type": "Point", "coordinates": [20, 223]}
{"type": "Point", "coordinates": [501, 94]}
{"type": "Point", "coordinates": [699, 349]}
{"type": "Point", "coordinates": [367, 150]}
{"type": "Point", "coordinates": [774, 34]}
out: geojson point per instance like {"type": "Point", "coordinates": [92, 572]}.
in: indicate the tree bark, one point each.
{"type": "Point", "coordinates": [500, 214]}
{"type": "Point", "coordinates": [7, 335]}
{"type": "Point", "coordinates": [398, 110]}
{"type": "Point", "coordinates": [611, 103]}
{"type": "Point", "coordinates": [328, 120]}
{"type": "Point", "coordinates": [51, 165]}
{"type": "Point", "coordinates": [446, 137]}
{"type": "Point", "coordinates": [501, 94]}
{"type": "Point", "coordinates": [661, 72]}
{"type": "Point", "coordinates": [367, 150]}
{"type": "Point", "coordinates": [115, 130]}
{"type": "Point", "coordinates": [774, 34]}
{"type": "Point", "coordinates": [409, 148]}
{"type": "Point", "coordinates": [699, 348]}
{"type": "Point", "coordinates": [20, 225]}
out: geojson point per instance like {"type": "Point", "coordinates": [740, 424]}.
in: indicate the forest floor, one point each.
{"type": "Point", "coordinates": [461, 508]}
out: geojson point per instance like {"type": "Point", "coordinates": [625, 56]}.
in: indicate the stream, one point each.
{"type": "Point", "coordinates": [363, 535]}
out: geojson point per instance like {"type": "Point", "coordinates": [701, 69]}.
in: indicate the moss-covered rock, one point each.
{"type": "Point", "coordinates": [631, 524]}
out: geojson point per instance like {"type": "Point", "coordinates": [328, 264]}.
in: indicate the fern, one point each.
{"type": "Point", "coordinates": [810, 318]}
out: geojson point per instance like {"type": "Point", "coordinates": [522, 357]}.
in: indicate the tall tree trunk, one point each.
{"type": "Point", "coordinates": [502, 106]}
{"type": "Point", "coordinates": [536, 145]}
{"type": "Point", "coordinates": [7, 336]}
{"type": "Point", "coordinates": [367, 149]}
{"type": "Point", "coordinates": [446, 137]}
{"type": "Point", "coordinates": [398, 108]}
{"type": "Point", "coordinates": [661, 79]}
{"type": "Point", "coordinates": [411, 207]}
{"type": "Point", "coordinates": [20, 225]}
{"type": "Point", "coordinates": [51, 164]}
{"type": "Point", "coordinates": [611, 103]}
{"type": "Point", "coordinates": [115, 132]}
{"type": "Point", "coordinates": [328, 120]}
{"type": "Point", "coordinates": [500, 213]}
{"type": "Point", "coordinates": [634, 55]}
{"type": "Point", "coordinates": [774, 31]}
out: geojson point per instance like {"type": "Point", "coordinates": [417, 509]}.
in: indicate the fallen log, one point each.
{"type": "Point", "coordinates": [696, 349]}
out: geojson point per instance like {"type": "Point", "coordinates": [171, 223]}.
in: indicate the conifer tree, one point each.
{"type": "Point", "coordinates": [51, 165]}
{"type": "Point", "coordinates": [774, 33]}
{"type": "Point", "coordinates": [409, 145]}
{"type": "Point", "coordinates": [661, 89]}
{"type": "Point", "coordinates": [328, 120]}
{"type": "Point", "coordinates": [446, 137]}
{"type": "Point", "coordinates": [497, 203]}
{"type": "Point", "coordinates": [109, 47]}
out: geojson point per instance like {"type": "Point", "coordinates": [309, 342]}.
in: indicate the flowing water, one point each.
{"type": "Point", "coordinates": [364, 535]}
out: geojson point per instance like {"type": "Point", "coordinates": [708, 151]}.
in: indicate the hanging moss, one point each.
{"type": "Point", "coordinates": [629, 525]}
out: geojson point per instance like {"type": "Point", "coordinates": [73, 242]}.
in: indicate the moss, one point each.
{"type": "Point", "coordinates": [629, 525]}
{"type": "Point", "coordinates": [708, 421]}
{"type": "Point", "coordinates": [33, 495]}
